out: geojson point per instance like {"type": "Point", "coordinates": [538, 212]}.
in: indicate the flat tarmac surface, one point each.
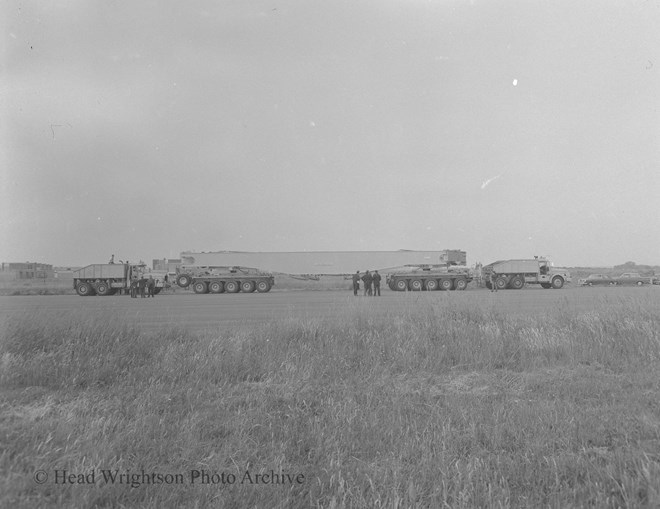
{"type": "Point", "coordinates": [210, 312]}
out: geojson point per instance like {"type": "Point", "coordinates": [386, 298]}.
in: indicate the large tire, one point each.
{"type": "Point", "coordinates": [500, 283]}
{"type": "Point", "coordinates": [247, 286]}
{"type": "Point", "coordinates": [460, 284]}
{"type": "Point", "coordinates": [401, 285]}
{"type": "Point", "coordinates": [263, 286]}
{"type": "Point", "coordinates": [432, 285]}
{"type": "Point", "coordinates": [232, 287]}
{"type": "Point", "coordinates": [84, 289]}
{"type": "Point", "coordinates": [446, 284]}
{"type": "Point", "coordinates": [517, 283]}
{"type": "Point", "coordinates": [183, 280]}
{"type": "Point", "coordinates": [416, 285]}
{"type": "Point", "coordinates": [557, 282]}
{"type": "Point", "coordinates": [200, 287]}
{"type": "Point", "coordinates": [102, 288]}
{"type": "Point", "coordinates": [216, 287]}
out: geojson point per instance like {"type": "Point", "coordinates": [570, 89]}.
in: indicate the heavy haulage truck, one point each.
{"type": "Point", "coordinates": [224, 279]}
{"type": "Point", "coordinates": [107, 278]}
{"type": "Point", "coordinates": [514, 274]}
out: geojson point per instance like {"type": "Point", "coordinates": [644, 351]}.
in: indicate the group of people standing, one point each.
{"type": "Point", "coordinates": [143, 286]}
{"type": "Point", "coordinates": [371, 283]}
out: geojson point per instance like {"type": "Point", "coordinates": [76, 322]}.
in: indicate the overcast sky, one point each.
{"type": "Point", "coordinates": [504, 128]}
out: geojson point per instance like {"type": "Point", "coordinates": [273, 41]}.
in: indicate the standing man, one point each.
{"type": "Point", "coordinates": [493, 281]}
{"type": "Point", "coordinates": [151, 287]}
{"type": "Point", "coordinates": [356, 283]}
{"type": "Point", "coordinates": [376, 279]}
{"type": "Point", "coordinates": [142, 284]}
{"type": "Point", "coordinates": [367, 279]}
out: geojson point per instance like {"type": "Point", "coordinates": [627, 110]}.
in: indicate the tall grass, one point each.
{"type": "Point", "coordinates": [435, 405]}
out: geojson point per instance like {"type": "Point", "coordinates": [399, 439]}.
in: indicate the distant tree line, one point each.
{"type": "Point", "coordinates": [644, 270]}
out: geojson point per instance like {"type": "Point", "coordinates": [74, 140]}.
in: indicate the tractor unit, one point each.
{"type": "Point", "coordinates": [514, 274]}
{"type": "Point", "coordinates": [109, 278]}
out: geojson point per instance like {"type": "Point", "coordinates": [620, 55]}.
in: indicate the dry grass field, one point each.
{"type": "Point", "coordinates": [442, 403]}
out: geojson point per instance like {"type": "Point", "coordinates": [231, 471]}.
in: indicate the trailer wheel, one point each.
{"type": "Point", "coordinates": [84, 289]}
{"type": "Point", "coordinates": [416, 285]}
{"type": "Point", "coordinates": [432, 285]}
{"type": "Point", "coordinates": [460, 284]}
{"type": "Point", "coordinates": [102, 288]}
{"type": "Point", "coordinates": [263, 286]}
{"type": "Point", "coordinates": [557, 282]}
{"type": "Point", "coordinates": [183, 280]}
{"type": "Point", "coordinates": [216, 287]}
{"type": "Point", "coordinates": [247, 286]}
{"type": "Point", "coordinates": [232, 287]}
{"type": "Point", "coordinates": [200, 287]}
{"type": "Point", "coordinates": [401, 285]}
{"type": "Point", "coordinates": [517, 283]}
{"type": "Point", "coordinates": [500, 283]}
{"type": "Point", "coordinates": [446, 284]}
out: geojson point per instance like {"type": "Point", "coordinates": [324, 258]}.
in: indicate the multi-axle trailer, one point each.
{"type": "Point", "coordinates": [224, 279]}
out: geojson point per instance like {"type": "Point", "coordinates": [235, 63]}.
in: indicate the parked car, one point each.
{"type": "Point", "coordinates": [632, 278]}
{"type": "Point", "coordinates": [597, 279]}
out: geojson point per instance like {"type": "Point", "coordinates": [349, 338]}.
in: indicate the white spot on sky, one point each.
{"type": "Point", "coordinates": [312, 123]}
{"type": "Point", "coordinates": [486, 182]}
{"type": "Point", "coordinates": [515, 83]}
{"type": "Point", "coordinates": [98, 218]}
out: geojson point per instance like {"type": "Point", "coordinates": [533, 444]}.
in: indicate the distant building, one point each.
{"type": "Point", "coordinates": [28, 270]}
{"type": "Point", "coordinates": [65, 272]}
{"type": "Point", "coordinates": [453, 257]}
